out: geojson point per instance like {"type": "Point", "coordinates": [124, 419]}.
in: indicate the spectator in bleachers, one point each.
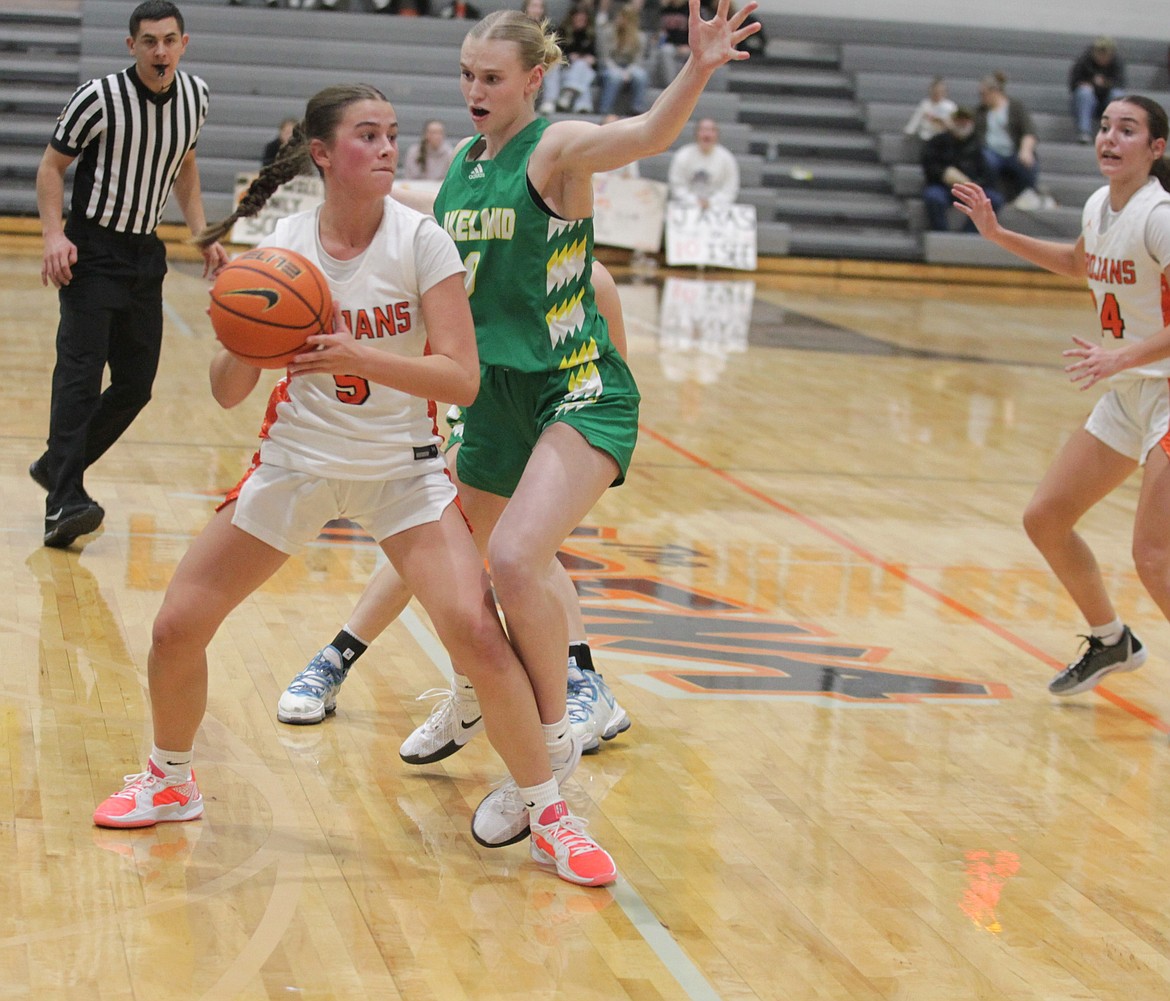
{"type": "Point", "coordinates": [568, 86]}
{"type": "Point", "coordinates": [282, 138]}
{"type": "Point", "coordinates": [671, 50]}
{"type": "Point", "coordinates": [460, 10]}
{"type": "Point", "coordinates": [621, 46]}
{"type": "Point", "coordinates": [1095, 79]}
{"type": "Point", "coordinates": [955, 156]}
{"type": "Point", "coordinates": [756, 44]}
{"type": "Point", "coordinates": [1008, 136]}
{"type": "Point", "coordinates": [932, 117]}
{"type": "Point", "coordinates": [429, 158]}
{"type": "Point", "coordinates": [704, 172]}
{"type": "Point", "coordinates": [535, 9]}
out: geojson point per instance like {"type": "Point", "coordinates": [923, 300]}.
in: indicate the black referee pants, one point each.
{"type": "Point", "coordinates": [111, 315]}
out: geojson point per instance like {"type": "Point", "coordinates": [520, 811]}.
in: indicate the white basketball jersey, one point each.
{"type": "Point", "coordinates": [344, 427]}
{"type": "Point", "coordinates": [1130, 291]}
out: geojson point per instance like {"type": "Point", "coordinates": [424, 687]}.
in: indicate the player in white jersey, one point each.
{"type": "Point", "coordinates": [350, 433]}
{"type": "Point", "coordinates": [1124, 253]}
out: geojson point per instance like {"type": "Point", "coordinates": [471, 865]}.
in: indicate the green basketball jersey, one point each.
{"type": "Point", "coordinates": [528, 272]}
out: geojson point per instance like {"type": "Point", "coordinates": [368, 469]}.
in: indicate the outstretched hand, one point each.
{"type": "Point", "coordinates": [972, 201]}
{"type": "Point", "coordinates": [1096, 363]}
{"type": "Point", "coordinates": [714, 42]}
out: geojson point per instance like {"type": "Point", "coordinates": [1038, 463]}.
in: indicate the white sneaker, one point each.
{"type": "Point", "coordinates": [451, 724]}
{"type": "Point", "coordinates": [313, 693]}
{"type": "Point", "coordinates": [593, 711]}
{"type": "Point", "coordinates": [502, 817]}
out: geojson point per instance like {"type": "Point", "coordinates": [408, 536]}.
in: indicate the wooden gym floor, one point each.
{"type": "Point", "coordinates": [845, 780]}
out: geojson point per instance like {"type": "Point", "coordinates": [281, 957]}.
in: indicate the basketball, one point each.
{"type": "Point", "coordinates": [266, 302]}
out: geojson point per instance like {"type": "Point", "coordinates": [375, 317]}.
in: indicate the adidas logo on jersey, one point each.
{"type": "Point", "coordinates": [476, 172]}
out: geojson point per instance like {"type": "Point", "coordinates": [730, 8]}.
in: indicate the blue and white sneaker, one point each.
{"type": "Point", "coordinates": [593, 711]}
{"type": "Point", "coordinates": [313, 693]}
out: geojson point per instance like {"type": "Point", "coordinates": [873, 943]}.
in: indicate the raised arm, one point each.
{"type": "Point", "coordinates": [1060, 258]}
{"type": "Point", "coordinates": [583, 149]}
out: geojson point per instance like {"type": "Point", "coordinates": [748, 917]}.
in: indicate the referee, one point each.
{"type": "Point", "coordinates": [135, 134]}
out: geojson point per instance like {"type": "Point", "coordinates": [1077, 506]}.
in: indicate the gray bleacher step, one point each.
{"type": "Point", "coordinates": [839, 207]}
{"type": "Point", "coordinates": [17, 198]}
{"type": "Point", "coordinates": [1032, 67]}
{"type": "Point", "coordinates": [28, 70]}
{"type": "Point", "coordinates": [968, 249]}
{"type": "Point", "coordinates": [64, 40]}
{"type": "Point", "coordinates": [20, 131]}
{"type": "Point", "coordinates": [62, 19]}
{"type": "Point", "coordinates": [794, 52]}
{"type": "Point", "coordinates": [889, 117]}
{"type": "Point", "coordinates": [812, 143]}
{"type": "Point", "coordinates": [773, 239]}
{"type": "Point", "coordinates": [35, 100]}
{"type": "Point", "coordinates": [839, 241]}
{"type": "Point", "coordinates": [785, 82]}
{"type": "Point", "coordinates": [827, 176]}
{"type": "Point", "coordinates": [21, 162]}
{"type": "Point", "coordinates": [807, 112]}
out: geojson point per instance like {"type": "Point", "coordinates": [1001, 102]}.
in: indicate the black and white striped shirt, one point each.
{"type": "Point", "coordinates": [131, 144]}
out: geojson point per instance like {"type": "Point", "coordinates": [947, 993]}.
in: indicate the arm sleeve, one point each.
{"type": "Point", "coordinates": [81, 121]}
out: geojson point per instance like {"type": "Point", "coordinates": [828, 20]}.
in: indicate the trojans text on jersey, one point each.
{"type": "Point", "coordinates": [381, 321]}
{"type": "Point", "coordinates": [1105, 269]}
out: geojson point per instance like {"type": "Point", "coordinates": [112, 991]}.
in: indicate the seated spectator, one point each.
{"type": "Point", "coordinates": [955, 156]}
{"type": "Point", "coordinates": [429, 158]}
{"type": "Point", "coordinates": [535, 9]}
{"type": "Point", "coordinates": [704, 172]}
{"type": "Point", "coordinates": [1005, 130]}
{"type": "Point", "coordinates": [278, 142]}
{"type": "Point", "coordinates": [621, 45]}
{"type": "Point", "coordinates": [933, 114]}
{"type": "Point", "coordinates": [460, 10]}
{"type": "Point", "coordinates": [1095, 79]}
{"type": "Point", "coordinates": [568, 86]}
{"type": "Point", "coordinates": [756, 44]}
{"type": "Point", "coordinates": [672, 47]}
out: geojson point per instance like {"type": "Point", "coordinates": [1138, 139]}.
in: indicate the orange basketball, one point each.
{"type": "Point", "coordinates": [266, 302]}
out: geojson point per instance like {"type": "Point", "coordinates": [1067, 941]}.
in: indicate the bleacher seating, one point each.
{"type": "Point", "coordinates": [817, 124]}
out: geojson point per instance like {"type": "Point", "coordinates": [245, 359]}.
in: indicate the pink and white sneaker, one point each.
{"type": "Point", "coordinates": [151, 798]}
{"type": "Point", "coordinates": [559, 839]}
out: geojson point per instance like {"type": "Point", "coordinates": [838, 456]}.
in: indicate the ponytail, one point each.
{"type": "Point", "coordinates": [289, 162]}
{"type": "Point", "coordinates": [322, 115]}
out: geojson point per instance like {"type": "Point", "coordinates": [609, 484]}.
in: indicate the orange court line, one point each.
{"type": "Point", "coordinates": [1144, 715]}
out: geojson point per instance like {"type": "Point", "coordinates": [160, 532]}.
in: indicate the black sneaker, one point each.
{"type": "Point", "coordinates": [40, 474]}
{"type": "Point", "coordinates": [65, 525]}
{"type": "Point", "coordinates": [1098, 660]}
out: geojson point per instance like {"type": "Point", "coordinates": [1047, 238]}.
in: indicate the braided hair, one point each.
{"type": "Point", "coordinates": [322, 115]}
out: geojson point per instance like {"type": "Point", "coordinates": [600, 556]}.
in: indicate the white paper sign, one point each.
{"type": "Point", "coordinates": [303, 192]}
{"type": "Point", "coordinates": [719, 236]}
{"type": "Point", "coordinates": [628, 212]}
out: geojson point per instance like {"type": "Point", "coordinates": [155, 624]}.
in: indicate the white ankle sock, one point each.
{"type": "Point", "coordinates": [173, 764]}
{"type": "Point", "coordinates": [1109, 633]}
{"type": "Point", "coordinates": [540, 798]}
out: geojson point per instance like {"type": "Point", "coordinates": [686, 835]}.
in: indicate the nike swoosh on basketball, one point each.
{"type": "Point", "coordinates": [270, 295]}
{"type": "Point", "coordinates": [468, 726]}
